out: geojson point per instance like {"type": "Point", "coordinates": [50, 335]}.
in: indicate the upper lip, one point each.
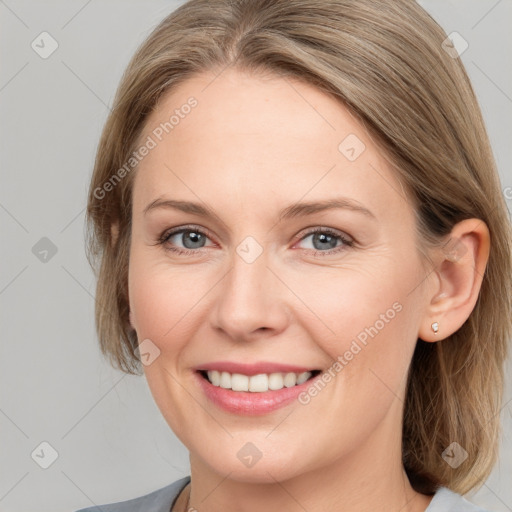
{"type": "Point", "coordinates": [253, 368]}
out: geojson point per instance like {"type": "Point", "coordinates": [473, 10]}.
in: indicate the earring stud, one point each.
{"type": "Point", "coordinates": [435, 327]}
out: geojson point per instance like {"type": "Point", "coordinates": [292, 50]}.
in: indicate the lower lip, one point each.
{"type": "Point", "coordinates": [246, 403]}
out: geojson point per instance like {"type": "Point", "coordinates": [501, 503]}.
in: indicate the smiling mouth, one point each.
{"type": "Point", "coordinates": [259, 383]}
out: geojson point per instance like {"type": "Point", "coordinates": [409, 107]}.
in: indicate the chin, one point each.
{"type": "Point", "coordinates": [262, 470]}
{"type": "Point", "coordinates": [260, 473]}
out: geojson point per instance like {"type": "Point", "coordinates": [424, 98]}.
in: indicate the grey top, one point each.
{"type": "Point", "coordinates": [161, 500]}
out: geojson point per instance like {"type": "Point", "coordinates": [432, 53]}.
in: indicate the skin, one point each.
{"type": "Point", "coordinates": [251, 147]}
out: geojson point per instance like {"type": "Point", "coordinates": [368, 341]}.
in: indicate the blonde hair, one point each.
{"type": "Point", "coordinates": [385, 62]}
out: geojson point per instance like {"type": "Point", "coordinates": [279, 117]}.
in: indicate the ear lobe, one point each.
{"type": "Point", "coordinates": [460, 268]}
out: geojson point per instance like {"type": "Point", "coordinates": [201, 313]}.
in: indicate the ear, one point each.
{"type": "Point", "coordinates": [458, 275]}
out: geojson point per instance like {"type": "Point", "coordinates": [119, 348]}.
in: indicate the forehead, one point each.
{"type": "Point", "coordinates": [259, 138]}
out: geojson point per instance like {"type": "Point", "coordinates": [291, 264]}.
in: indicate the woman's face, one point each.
{"type": "Point", "coordinates": [255, 291]}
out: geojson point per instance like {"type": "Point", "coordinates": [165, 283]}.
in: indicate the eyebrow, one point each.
{"type": "Point", "coordinates": [292, 211]}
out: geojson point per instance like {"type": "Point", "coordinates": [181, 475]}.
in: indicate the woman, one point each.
{"type": "Point", "coordinates": [301, 240]}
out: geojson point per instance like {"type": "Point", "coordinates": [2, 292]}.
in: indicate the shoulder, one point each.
{"type": "Point", "coordinates": [156, 501]}
{"type": "Point", "coordinates": [445, 500]}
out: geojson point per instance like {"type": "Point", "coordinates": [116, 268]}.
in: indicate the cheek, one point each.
{"type": "Point", "coordinates": [365, 320]}
{"type": "Point", "coordinates": [342, 303]}
{"type": "Point", "coordinates": [159, 304]}
{"type": "Point", "coordinates": [167, 301]}
{"type": "Point", "coordinates": [162, 304]}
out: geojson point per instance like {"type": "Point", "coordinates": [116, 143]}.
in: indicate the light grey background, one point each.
{"type": "Point", "coordinates": [111, 439]}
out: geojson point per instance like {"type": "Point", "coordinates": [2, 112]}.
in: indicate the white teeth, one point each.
{"type": "Point", "coordinates": [303, 377]}
{"type": "Point", "coordinates": [225, 380]}
{"type": "Point", "coordinates": [214, 377]}
{"type": "Point", "coordinates": [256, 383]}
{"type": "Point", "coordinates": [275, 381]}
{"type": "Point", "coordinates": [239, 382]}
{"type": "Point", "coordinates": [290, 379]}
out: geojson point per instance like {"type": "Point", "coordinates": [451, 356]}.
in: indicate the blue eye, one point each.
{"type": "Point", "coordinates": [325, 241]}
{"type": "Point", "coordinates": [192, 239]}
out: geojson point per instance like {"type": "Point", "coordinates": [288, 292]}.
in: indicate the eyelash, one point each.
{"type": "Point", "coordinates": [166, 235]}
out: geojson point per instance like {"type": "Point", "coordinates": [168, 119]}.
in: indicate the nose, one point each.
{"type": "Point", "coordinates": [251, 301]}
